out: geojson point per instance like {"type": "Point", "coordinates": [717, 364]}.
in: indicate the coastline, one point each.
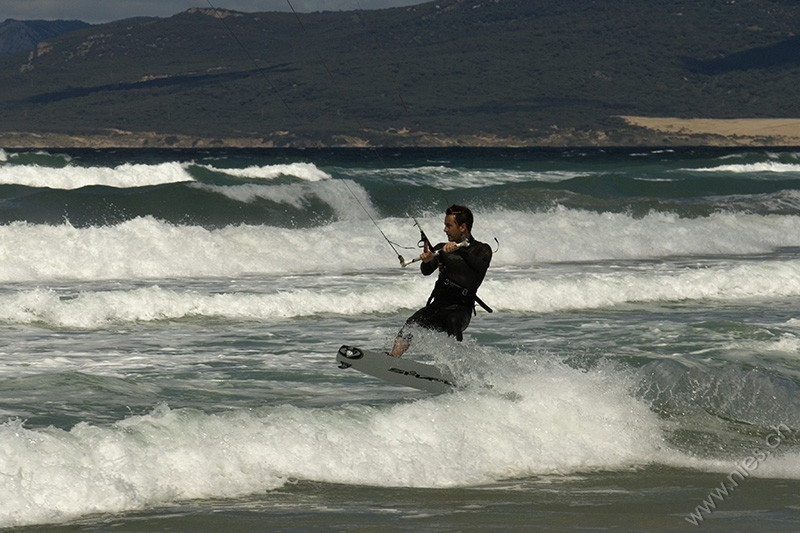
{"type": "Point", "coordinates": [725, 132]}
{"type": "Point", "coordinates": [636, 131]}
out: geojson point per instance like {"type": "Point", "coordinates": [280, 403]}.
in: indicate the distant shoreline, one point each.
{"type": "Point", "coordinates": [639, 131]}
{"type": "Point", "coordinates": [728, 132]}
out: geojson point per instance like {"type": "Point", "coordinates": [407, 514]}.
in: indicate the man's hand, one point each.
{"type": "Point", "coordinates": [450, 247]}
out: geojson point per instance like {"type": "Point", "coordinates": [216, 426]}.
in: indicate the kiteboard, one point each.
{"type": "Point", "coordinates": [395, 369]}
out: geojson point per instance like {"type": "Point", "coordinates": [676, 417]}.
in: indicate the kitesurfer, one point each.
{"type": "Point", "coordinates": [462, 263]}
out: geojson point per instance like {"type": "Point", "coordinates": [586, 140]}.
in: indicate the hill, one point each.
{"type": "Point", "coordinates": [20, 35]}
{"type": "Point", "coordinates": [477, 72]}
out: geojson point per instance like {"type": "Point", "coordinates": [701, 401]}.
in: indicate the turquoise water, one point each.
{"type": "Point", "coordinates": [170, 320]}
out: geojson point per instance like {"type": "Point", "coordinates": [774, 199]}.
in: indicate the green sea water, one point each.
{"type": "Point", "coordinates": [170, 321]}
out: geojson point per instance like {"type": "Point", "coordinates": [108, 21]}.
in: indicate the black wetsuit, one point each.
{"type": "Point", "coordinates": [452, 302]}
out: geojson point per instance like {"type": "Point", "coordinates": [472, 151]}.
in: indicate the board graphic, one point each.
{"type": "Point", "coordinates": [395, 369]}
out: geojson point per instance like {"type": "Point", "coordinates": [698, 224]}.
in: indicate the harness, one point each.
{"type": "Point", "coordinates": [466, 293]}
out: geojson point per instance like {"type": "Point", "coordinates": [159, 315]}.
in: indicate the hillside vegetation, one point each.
{"type": "Point", "coordinates": [19, 35]}
{"type": "Point", "coordinates": [446, 72]}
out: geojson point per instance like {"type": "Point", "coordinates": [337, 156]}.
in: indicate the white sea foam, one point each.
{"type": "Point", "coordinates": [148, 248]}
{"type": "Point", "coordinates": [139, 175]}
{"type": "Point", "coordinates": [339, 195]}
{"type": "Point", "coordinates": [545, 419]}
{"type": "Point", "coordinates": [596, 290]}
{"type": "Point", "coordinates": [747, 168]}
{"type": "Point", "coordinates": [98, 309]}
{"type": "Point", "coordinates": [451, 178]}
{"type": "Point", "coordinates": [560, 421]}
{"type": "Point", "coordinates": [786, 345]}
{"type": "Point", "coordinates": [74, 177]}
{"type": "Point", "coordinates": [326, 295]}
{"type": "Point", "coordinates": [303, 171]}
{"type": "Point", "coordinates": [571, 235]}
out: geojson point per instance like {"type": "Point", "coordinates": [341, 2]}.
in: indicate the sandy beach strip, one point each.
{"type": "Point", "coordinates": [781, 131]}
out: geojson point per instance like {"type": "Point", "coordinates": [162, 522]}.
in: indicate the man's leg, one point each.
{"type": "Point", "coordinates": [422, 318]}
{"type": "Point", "coordinates": [457, 322]}
{"type": "Point", "coordinates": [401, 344]}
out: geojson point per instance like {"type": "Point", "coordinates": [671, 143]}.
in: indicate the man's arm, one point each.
{"type": "Point", "coordinates": [430, 262]}
{"type": "Point", "coordinates": [479, 259]}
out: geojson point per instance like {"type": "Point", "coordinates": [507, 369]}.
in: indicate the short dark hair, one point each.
{"type": "Point", "coordinates": [463, 215]}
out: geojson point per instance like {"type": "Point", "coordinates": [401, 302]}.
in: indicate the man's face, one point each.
{"type": "Point", "coordinates": [454, 232]}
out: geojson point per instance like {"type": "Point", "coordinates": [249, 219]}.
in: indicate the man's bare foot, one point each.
{"type": "Point", "coordinates": [400, 347]}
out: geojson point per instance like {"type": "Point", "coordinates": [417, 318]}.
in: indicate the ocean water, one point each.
{"type": "Point", "coordinates": [169, 322]}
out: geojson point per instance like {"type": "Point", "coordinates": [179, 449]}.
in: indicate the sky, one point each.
{"type": "Point", "coordinates": [98, 11]}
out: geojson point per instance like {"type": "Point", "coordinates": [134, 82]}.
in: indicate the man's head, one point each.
{"type": "Point", "coordinates": [458, 223]}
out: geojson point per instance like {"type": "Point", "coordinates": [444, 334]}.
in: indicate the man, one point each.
{"type": "Point", "coordinates": [462, 263]}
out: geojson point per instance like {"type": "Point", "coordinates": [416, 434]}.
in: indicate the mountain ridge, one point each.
{"type": "Point", "coordinates": [21, 35]}
{"type": "Point", "coordinates": [452, 72]}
